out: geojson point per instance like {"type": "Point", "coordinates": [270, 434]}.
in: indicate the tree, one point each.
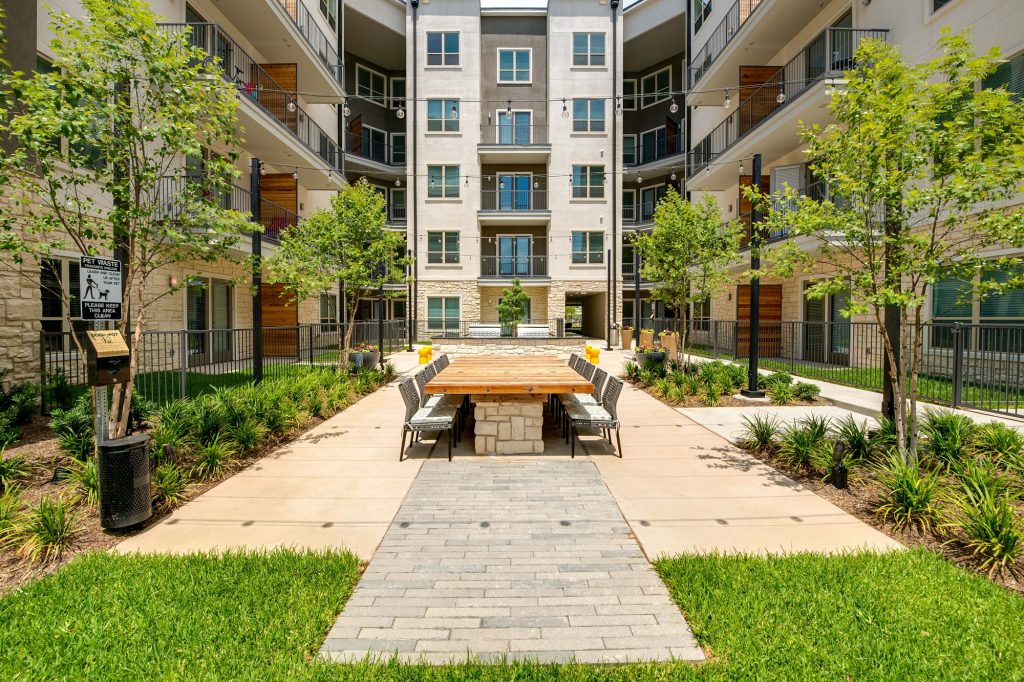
{"type": "Point", "coordinates": [688, 253]}
{"type": "Point", "coordinates": [346, 244]}
{"type": "Point", "coordinates": [512, 306]}
{"type": "Point", "coordinates": [922, 168]}
{"type": "Point", "coordinates": [97, 163]}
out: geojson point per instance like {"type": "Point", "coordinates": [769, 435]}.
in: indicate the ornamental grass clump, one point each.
{"type": "Point", "coordinates": [948, 439]}
{"type": "Point", "coordinates": [12, 469]}
{"type": "Point", "coordinates": [987, 526]}
{"type": "Point", "coordinates": [761, 433]}
{"type": "Point", "coordinates": [169, 483]}
{"type": "Point", "coordinates": [1001, 444]}
{"type": "Point", "coordinates": [855, 437]}
{"type": "Point", "coordinates": [84, 479]}
{"type": "Point", "coordinates": [214, 459]}
{"type": "Point", "coordinates": [805, 443]}
{"type": "Point", "coordinates": [44, 531]}
{"type": "Point", "coordinates": [910, 496]}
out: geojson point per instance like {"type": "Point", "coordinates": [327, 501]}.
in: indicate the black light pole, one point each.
{"type": "Point", "coordinates": [610, 308]}
{"type": "Point", "coordinates": [752, 391]}
{"type": "Point", "coordinates": [380, 322]}
{"type": "Point", "coordinates": [636, 292]}
{"type": "Point", "coordinates": [613, 289]}
{"type": "Point", "coordinates": [255, 168]}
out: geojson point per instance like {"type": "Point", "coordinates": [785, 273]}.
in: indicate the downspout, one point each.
{"type": "Point", "coordinates": [615, 174]}
{"type": "Point", "coordinates": [414, 303]}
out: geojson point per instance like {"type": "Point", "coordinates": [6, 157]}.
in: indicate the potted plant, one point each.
{"type": "Point", "coordinates": [646, 337]}
{"type": "Point", "coordinates": [512, 308]}
{"type": "Point", "coordinates": [626, 335]}
{"type": "Point", "coordinates": [669, 342]}
{"type": "Point", "coordinates": [371, 355]}
{"type": "Point", "coordinates": [648, 353]}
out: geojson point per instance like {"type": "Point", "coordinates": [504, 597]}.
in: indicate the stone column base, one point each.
{"type": "Point", "coordinates": [509, 424]}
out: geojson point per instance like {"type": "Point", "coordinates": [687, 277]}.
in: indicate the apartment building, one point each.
{"type": "Point", "coordinates": [760, 68]}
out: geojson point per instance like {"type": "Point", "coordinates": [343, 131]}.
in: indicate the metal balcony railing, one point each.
{"type": "Point", "coordinates": [656, 150]}
{"type": "Point", "coordinates": [397, 214]}
{"type": "Point", "coordinates": [367, 145]}
{"type": "Point", "coordinates": [831, 53]}
{"type": "Point", "coordinates": [638, 214]}
{"type": "Point", "coordinates": [514, 134]}
{"type": "Point", "coordinates": [723, 34]}
{"type": "Point", "coordinates": [315, 38]}
{"type": "Point", "coordinates": [508, 267]}
{"type": "Point", "coordinates": [253, 82]}
{"type": "Point", "coordinates": [514, 200]}
{"type": "Point", "coordinates": [275, 219]}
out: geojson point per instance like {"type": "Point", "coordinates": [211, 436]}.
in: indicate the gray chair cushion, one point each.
{"type": "Point", "coordinates": [441, 415]}
{"type": "Point", "coordinates": [588, 414]}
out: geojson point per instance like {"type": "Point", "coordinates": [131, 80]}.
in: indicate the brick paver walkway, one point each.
{"type": "Point", "coordinates": [527, 558]}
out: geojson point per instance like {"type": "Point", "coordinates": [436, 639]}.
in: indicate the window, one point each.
{"type": "Point", "coordinates": [628, 214]}
{"type": "Point", "coordinates": [655, 87]}
{"type": "Point", "coordinates": [588, 49]}
{"type": "Point", "coordinates": [587, 182]}
{"type": "Point", "coordinates": [1009, 75]}
{"type": "Point", "coordinates": [442, 182]}
{"type": "Point", "coordinates": [442, 115]}
{"type": "Point", "coordinates": [442, 247]}
{"type": "Point", "coordinates": [443, 313]}
{"type": "Point", "coordinates": [208, 315]}
{"type": "Point", "coordinates": [629, 94]}
{"type": "Point", "coordinates": [396, 209]}
{"type": "Point", "coordinates": [371, 85]}
{"type": "Point", "coordinates": [953, 300]}
{"type": "Point", "coordinates": [701, 10]}
{"type": "Point", "coordinates": [588, 247]}
{"type": "Point", "coordinates": [514, 129]}
{"type": "Point", "coordinates": [700, 315]}
{"type": "Point", "coordinates": [374, 144]}
{"type": "Point", "coordinates": [329, 8]}
{"type": "Point", "coordinates": [443, 48]}
{"type": "Point", "coordinates": [397, 148]}
{"type": "Point", "coordinates": [514, 65]}
{"type": "Point", "coordinates": [629, 150]}
{"type": "Point", "coordinates": [328, 308]}
{"type": "Point", "coordinates": [588, 115]}
{"type": "Point", "coordinates": [58, 277]}
{"type": "Point", "coordinates": [939, 4]}
{"type": "Point", "coordinates": [397, 92]}
{"type": "Point", "coordinates": [653, 145]}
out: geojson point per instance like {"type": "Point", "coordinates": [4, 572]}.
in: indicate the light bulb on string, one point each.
{"type": "Point", "coordinates": [618, 105]}
{"type": "Point", "coordinates": [728, 101]}
{"type": "Point", "coordinates": [292, 106]}
{"type": "Point", "coordinates": [565, 109]}
{"type": "Point", "coordinates": [781, 97]}
{"type": "Point", "coordinates": [741, 166]}
{"type": "Point", "coordinates": [467, 181]}
{"type": "Point", "coordinates": [295, 174]}
{"type": "Point", "coordinates": [672, 177]}
{"type": "Point", "coordinates": [639, 179]}
{"type": "Point", "coordinates": [345, 111]}
{"type": "Point", "coordinates": [398, 182]}
{"type": "Point", "coordinates": [455, 111]}
{"type": "Point", "coordinates": [673, 107]}
{"type": "Point", "coordinates": [707, 170]}
{"type": "Point", "coordinates": [508, 110]}
{"type": "Point", "coordinates": [400, 113]}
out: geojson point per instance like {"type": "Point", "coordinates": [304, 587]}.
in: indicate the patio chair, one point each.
{"type": "Point", "coordinates": [604, 417]}
{"type": "Point", "coordinates": [418, 419]}
{"type": "Point", "coordinates": [427, 400]}
{"type": "Point", "coordinates": [587, 371]}
{"type": "Point", "coordinates": [576, 362]}
{"type": "Point", "coordinates": [593, 398]}
{"type": "Point", "coordinates": [442, 362]}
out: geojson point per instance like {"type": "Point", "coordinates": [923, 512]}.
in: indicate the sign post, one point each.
{"type": "Point", "coordinates": [99, 281]}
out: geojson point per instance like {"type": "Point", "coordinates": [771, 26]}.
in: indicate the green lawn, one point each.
{"type": "Point", "coordinates": [902, 616]}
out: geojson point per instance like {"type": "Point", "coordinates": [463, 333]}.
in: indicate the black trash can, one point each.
{"type": "Point", "coordinates": [125, 496]}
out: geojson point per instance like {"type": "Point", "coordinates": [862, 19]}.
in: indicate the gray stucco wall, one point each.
{"type": "Point", "coordinates": [498, 32]}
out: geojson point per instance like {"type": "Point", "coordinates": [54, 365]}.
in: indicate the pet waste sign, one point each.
{"type": "Point", "coordinates": [100, 288]}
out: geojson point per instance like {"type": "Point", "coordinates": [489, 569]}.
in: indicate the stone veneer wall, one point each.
{"type": "Point", "coordinates": [489, 303]}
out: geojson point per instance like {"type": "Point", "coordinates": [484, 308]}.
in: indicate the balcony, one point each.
{"type": "Point", "coordinates": [368, 151]}
{"type": "Point", "coordinates": [722, 35]}
{"type": "Point", "coordinates": [825, 58]}
{"type": "Point", "coordinates": [397, 216]}
{"type": "Point", "coordinates": [638, 216]}
{"type": "Point", "coordinates": [274, 219]}
{"type": "Point", "coordinates": [513, 267]}
{"type": "Point", "coordinates": [629, 275]}
{"type": "Point", "coordinates": [285, 32]}
{"type": "Point", "coordinates": [518, 206]}
{"type": "Point", "coordinates": [270, 115]}
{"type": "Point", "coordinates": [818, 191]}
{"type": "Point", "coordinates": [658, 151]}
{"type": "Point", "coordinates": [516, 143]}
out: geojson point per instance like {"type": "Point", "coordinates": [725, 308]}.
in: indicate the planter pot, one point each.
{"type": "Point", "coordinates": [626, 335]}
{"type": "Point", "coordinates": [125, 495]}
{"type": "Point", "coordinates": [646, 339]}
{"type": "Point", "coordinates": [356, 359]}
{"type": "Point", "coordinates": [671, 345]}
{"type": "Point", "coordinates": [647, 358]}
{"type": "Point", "coordinates": [508, 331]}
{"type": "Point", "coordinates": [840, 476]}
{"type": "Point", "coordinates": [371, 359]}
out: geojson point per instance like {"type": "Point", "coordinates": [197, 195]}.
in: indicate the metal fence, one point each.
{"type": "Point", "coordinates": [450, 328]}
{"type": "Point", "coordinates": [977, 366]}
{"type": "Point", "coordinates": [184, 363]}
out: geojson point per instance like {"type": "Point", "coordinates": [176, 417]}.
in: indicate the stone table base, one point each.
{"type": "Point", "coordinates": [509, 424]}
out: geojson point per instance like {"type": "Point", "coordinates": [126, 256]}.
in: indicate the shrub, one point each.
{"type": "Point", "coordinates": [169, 434]}
{"type": "Point", "coordinates": [781, 394]}
{"type": "Point", "coordinates": [691, 384]}
{"type": "Point", "coordinates": [44, 531]}
{"type": "Point", "coordinates": [910, 496]}
{"type": "Point", "coordinates": [760, 432]}
{"type": "Point", "coordinates": [10, 502]}
{"type": "Point", "coordinates": [21, 399]}
{"type": "Point", "coordinates": [214, 458]}
{"type": "Point", "coordinates": [663, 388]}
{"type": "Point", "coordinates": [60, 393]}
{"type": "Point", "coordinates": [207, 417]}
{"type": "Point", "coordinates": [983, 473]}
{"type": "Point", "coordinates": [12, 470]}
{"type": "Point", "coordinates": [74, 428]}
{"type": "Point", "coordinates": [990, 529]}
{"type": "Point", "coordinates": [805, 444]}
{"type": "Point", "coordinates": [1000, 443]}
{"type": "Point", "coordinates": [169, 484]}
{"type": "Point", "coordinates": [855, 437]}
{"type": "Point", "coordinates": [947, 438]}
{"type": "Point", "coordinates": [632, 370]}
{"type": "Point", "coordinates": [806, 392]}
{"type": "Point", "coordinates": [9, 431]}
{"type": "Point", "coordinates": [248, 435]}
{"type": "Point", "coordinates": [712, 396]}
{"type": "Point", "coordinates": [766, 381]}
{"type": "Point", "coordinates": [883, 439]}
{"type": "Point", "coordinates": [141, 411]}
{"type": "Point", "coordinates": [85, 481]}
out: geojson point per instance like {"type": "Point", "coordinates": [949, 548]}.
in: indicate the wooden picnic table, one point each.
{"type": "Point", "coordinates": [508, 392]}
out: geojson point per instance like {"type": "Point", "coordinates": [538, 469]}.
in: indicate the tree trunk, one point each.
{"type": "Point", "coordinates": [347, 345]}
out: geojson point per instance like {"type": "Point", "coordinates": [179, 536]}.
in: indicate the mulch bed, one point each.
{"type": "Point", "coordinates": [729, 401]}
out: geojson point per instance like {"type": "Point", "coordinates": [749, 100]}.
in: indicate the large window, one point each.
{"type": "Point", "coordinates": [588, 49]}
{"type": "Point", "coordinates": [653, 145]}
{"type": "Point", "coordinates": [629, 149]}
{"type": "Point", "coordinates": [514, 65]}
{"type": "Point", "coordinates": [587, 182]}
{"type": "Point", "coordinates": [442, 182]}
{"type": "Point", "coordinates": [371, 85]}
{"type": "Point", "coordinates": [588, 115]}
{"type": "Point", "coordinates": [1009, 75]}
{"type": "Point", "coordinates": [443, 48]}
{"type": "Point", "coordinates": [939, 4]}
{"type": "Point", "coordinates": [328, 308]}
{"type": "Point", "coordinates": [442, 247]}
{"type": "Point", "coordinates": [329, 8]}
{"type": "Point", "coordinates": [701, 10]}
{"type": "Point", "coordinates": [397, 92]}
{"type": "Point", "coordinates": [443, 313]}
{"type": "Point", "coordinates": [655, 87]}
{"type": "Point", "coordinates": [58, 277]}
{"type": "Point", "coordinates": [398, 148]}
{"type": "Point", "coordinates": [442, 115]}
{"type": "Point", "coordinates": [629, 94]}
{"type": "Point", "coordinates": [396, 209]}
{"type": "Point", "coordinates": [953, 300]}
{"type": "Point", "coordinates": [587, 247]}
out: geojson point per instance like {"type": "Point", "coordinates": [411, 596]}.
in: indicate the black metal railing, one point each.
{"type": "Point", "coordinates": [532, 328]}
{"type": "Point", "coordinates": [254, 83]}
{"type": "Point", "coordinates": [832, 52]}
{"type": "Point", "coordinates": [365, 144]}
{"type": "Point", "coordinates": [514, 200]}
{"type": "Point", "coordinates": [514, 134]}
{"type": "Point", "coordinates": [723, 34]}
{"type": "Point", "coordinates": [397, 214]}
{"type": "Point", "coordinates": [629, 275]}
{"type": "Point", "coordinates": [639, 214]}
{"type": "Point", "coordinates": [978, 366]}
{"type": "Point", "coordinates": [315, 38]}
{"type": "Point", "coordinates": [275, 219]}
{"type": "Point", "coordinates": [509, 267]}
{"type": "Point", "coordinates": [184, 363]}
{"type": "Point", "coordinates": [654, 150]}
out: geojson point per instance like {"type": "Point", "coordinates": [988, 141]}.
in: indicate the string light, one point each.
{"type": "Point", "coordinates": [508, 111]}
{"type": "Point", "coordinates": [345, 111]}
{"type": "Point", "coordinates": [398, 182]}
{"type": "Point", "coordinates": [741, 166]}
{"type": "Point", "coordinates": [781, 97]}
{"type": "Point", "coordinates": [454, 112]}
{"type": "Point", "coordinates": [618, 105]}
{"type": "Point", "coordinates": [295, 174]}
{"type": "Point", "coordinates": [728, 101]}
{"type": "Point", "coordinates": [565, 109]}
{"type": "Point", "coordinates": [401, 111]}
{"type": "Point", "coordinates": [673, 107]}
{"type": "Point", "coordinates": [672, 177]}
{"type": "Point", "coordinates": [292, 106]}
